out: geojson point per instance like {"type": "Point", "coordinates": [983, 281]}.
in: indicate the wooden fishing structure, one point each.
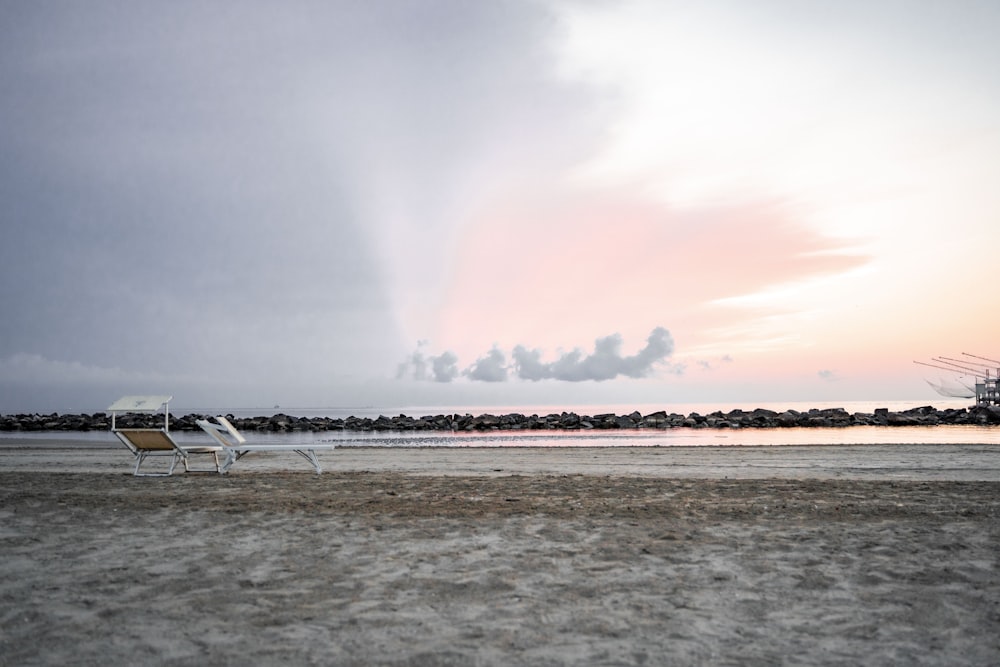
{"type": "Point", "coordinates": [986, 376]}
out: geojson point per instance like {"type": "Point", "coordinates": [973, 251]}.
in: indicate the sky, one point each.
{"type": "Point", "coordinates": [444, 203]}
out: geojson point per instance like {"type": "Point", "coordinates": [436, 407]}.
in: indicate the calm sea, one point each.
{"type": "Point", "coordinates": [686, 437]}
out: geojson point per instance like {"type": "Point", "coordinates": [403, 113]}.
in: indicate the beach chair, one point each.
{"type": "Point", "coordinates": [154, 442]}
{"type": "Point", "coordinates": [236, 446]}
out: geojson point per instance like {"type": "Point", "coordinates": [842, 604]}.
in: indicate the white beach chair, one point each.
{"type": "Point", "coordinates": [146, 442]}
{"type": "Point", "coordinates": [236, 446]}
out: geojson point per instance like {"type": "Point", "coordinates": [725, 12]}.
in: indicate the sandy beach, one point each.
{"type": "Point", "coordinates": [804, 556]}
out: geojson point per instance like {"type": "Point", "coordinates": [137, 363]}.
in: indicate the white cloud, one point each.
{"type": "Point", "coordinates": [828, 375]}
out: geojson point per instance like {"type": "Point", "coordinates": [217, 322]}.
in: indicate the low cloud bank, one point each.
{"type": "Point", "coordinates": [606, 362]}
{"type": "Point", "coordinates": [35, 370]}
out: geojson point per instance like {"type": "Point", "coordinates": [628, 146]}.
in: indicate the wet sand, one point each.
{"type": "Point", "coordinates": [431, 557]}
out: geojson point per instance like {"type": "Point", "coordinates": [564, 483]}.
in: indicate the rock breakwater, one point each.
{"type": "Point", "coordinates": [734, 419]}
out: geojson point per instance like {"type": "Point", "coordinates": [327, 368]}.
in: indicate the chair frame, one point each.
{"type": "Point", "coordinates": [236, 446]}
{"type": "Point", "coordinates": [154, 442]}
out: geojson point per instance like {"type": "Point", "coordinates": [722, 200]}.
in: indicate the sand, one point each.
{"type": "Point", "coordinates": [510, 558]}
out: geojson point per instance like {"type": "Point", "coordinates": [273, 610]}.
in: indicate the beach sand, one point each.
{"type": "Point", "coordinates": [474, 559]}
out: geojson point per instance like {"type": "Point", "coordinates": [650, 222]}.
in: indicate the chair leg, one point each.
{"type": "Point", "coordinates": [141, 456]}
{"type": "Point", "coordinates": [310, 455]}
{"type": "Point", "coordinates": [215, 458]}
{"type": "Point", "coordinates": [231, 457]}
{"type": "Point", "coordinates": [173, 463]}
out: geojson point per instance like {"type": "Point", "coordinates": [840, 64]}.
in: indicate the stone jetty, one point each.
{"type": "Point", "coordinates": [735, 419]}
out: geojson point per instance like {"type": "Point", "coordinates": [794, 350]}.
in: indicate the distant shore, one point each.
{"type": "Point", "coordinates": [733, 419]}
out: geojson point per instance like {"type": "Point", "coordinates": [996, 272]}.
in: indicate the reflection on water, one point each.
{"type": "Point", "coordinates": [681, 437]}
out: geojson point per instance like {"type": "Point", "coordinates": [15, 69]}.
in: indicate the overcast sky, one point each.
{"type": "Point", "coordinates": [452, 203]}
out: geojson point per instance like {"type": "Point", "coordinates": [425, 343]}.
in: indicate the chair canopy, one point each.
{"type": "Point", "coordinates": [141, 404]}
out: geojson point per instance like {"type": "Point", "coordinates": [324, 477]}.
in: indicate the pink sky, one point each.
{"type": "Point", "coordinates": [805, 218]}
{"type": "Point", "coordinates": [328, 195]}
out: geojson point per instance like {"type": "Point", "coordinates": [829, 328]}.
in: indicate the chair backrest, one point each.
{"type": "Point", "coordinates": [144, 439]}
{"type": "Point", "coordinates": [232, 429]}
{"type": "Point", "coordinates": [223, 432]}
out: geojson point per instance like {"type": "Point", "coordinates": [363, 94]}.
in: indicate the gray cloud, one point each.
{"type": "Point", "coordinates": [436, 368]}
{"type": "Point", "coordinates": [709, 365]}
{"type": "Point", "coordinates": [489, 368]}
{"type": "Point", "coordinates": [606, 362]}
{"type": "Point", "coordinates": [528, 364]}
{"type": "Point", "coordinates": [415, 366]}
{"type": "Point", "coordinates": [445, 367]}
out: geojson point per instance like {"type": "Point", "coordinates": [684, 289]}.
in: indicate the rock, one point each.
{"type": "Point", "coordinates": [759, 418]}
{"type": "Point", "coordinates": [788, 418]}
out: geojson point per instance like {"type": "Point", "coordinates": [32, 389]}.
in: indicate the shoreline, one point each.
{"type": "Point", "coordinates": [887, 462]}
